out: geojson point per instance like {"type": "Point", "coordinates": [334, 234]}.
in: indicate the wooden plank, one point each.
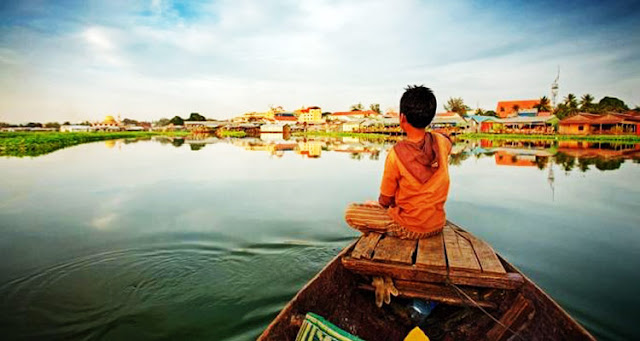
{"type": "Point", "coordinates": [391, 249]}
{"type": "Point", "coordinates": [365, 246]}
{"type": "Point", "coordinates": [487, 258]}
{"type": "Point", "coordinates": [460, 254]}
{"type": "Point", "coordinates": [514, 318]}
{"type": "Point", "coordinates": [438, 296]}
{"type": "Point", "coordinates": [412, 273]}
{"type": "Point", "coordinates": [431, 252]}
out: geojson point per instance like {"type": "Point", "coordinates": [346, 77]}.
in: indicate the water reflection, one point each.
{"type": "Point", "coordinates": [540, 154]}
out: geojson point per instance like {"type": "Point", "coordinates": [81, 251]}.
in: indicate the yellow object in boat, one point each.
{"type": "Point", "coordinates": [416, 334]}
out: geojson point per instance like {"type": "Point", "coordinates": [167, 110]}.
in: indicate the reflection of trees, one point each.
{"type": "Point", "coordinates": [569, 162]}
{"type": "Point", "coordinates": [356, 156]}
{"type": "Point", "coordinates": [566, 161]}
{"type": "Point", "coordinates": [611, 164]}
{"type": "Point", "coordinates": [197, 146]}
{"type": "Point", "coordinates": [177, 142]}
{"type": "Point", "coordinates": [583, 164]}
{"type": "Point", "coordinates": [541, 162]}
{"type": "Point", "coordinates": [375, 155]}
{"type": "Point", "coordinates": [456, 159]}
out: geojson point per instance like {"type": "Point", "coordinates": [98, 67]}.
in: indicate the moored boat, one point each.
{"type": "Point", "coordinates": [481, 298]}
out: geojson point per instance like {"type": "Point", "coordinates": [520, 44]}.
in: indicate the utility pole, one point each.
{"type": "Point", "coordinates": [554, 89]}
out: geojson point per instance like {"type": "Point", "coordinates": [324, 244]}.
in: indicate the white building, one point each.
{"type": "Point", "coordinates": [75, 128]}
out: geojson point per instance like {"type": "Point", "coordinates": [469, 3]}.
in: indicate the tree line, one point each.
{"type": "Point", "coordinates": [176, 120]}
{"type": "Point", "coordinates": [570, 106]}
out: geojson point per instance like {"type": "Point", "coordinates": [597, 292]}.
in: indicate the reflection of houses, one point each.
{"type": "Point", "coordinates": [311, 149]}
{"type": "Point", "coordinates": [612, 123]}
{"type": "Point", "coordinates": [517, 108]}
{"type": "Point", "coordinates": [607, 150]}
{"type": "Point", "coordinates": [504, 158]}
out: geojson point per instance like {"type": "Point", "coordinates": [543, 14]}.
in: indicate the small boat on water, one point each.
{"type": "Point", "coordinates": [480, 295]}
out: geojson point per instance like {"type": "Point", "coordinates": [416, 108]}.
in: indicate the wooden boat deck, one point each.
{"type": "Point", "coordinates": [422, 269]}
{"type": "Point", "coordinates": [454, 255]}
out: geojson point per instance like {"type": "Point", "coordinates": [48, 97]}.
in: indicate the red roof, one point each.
{"type": "Point", "coordinates": [285, 118]}
{"type": "Point", "coordinates": [544, 113]}
{"type": "Point", "coordinates": [608, 119]}
{"type": "Point", "coordinates": [580, 118]}
{"type": "Point", "coordinates": [505, 108]}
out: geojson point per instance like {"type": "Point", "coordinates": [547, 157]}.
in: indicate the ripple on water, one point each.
{"type": "Point", "coordinates": [193, 289]}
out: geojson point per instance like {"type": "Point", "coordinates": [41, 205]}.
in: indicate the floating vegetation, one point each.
{"type": "Point", "coordinates": [38, 143]}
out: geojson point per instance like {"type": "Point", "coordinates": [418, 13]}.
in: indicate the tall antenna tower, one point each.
{"type": "Point", "coordinates": [554, 89]}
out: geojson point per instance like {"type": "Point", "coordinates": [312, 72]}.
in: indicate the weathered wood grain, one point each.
{"type": "Point", "coordinates": [391, 249]}
{"type": "Point", "coordinates": [431, 252]}
{"type": "Point", "coordinates": [487, 258]}
{"type": "Point", "coordinates": [513, 318]}
{"type": "Point", "coordinates": [365, 245]}
{"type": "Point", "coordinates": [413, 273]}
{"type": "Point", "coordinates": [460, 254]}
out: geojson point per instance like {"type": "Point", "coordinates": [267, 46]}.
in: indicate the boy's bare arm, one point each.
{"type": "Point", "coordinates": [390, 179]}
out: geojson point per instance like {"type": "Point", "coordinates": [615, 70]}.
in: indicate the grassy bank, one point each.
{"type": "Point", "coordinates": [368, 136]}
{"type": "Point", "coordinates": [38, 143]}
{"type": "Point", "coordinates": [590, 138]}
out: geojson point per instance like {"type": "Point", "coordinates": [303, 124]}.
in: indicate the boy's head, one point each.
{"type": "Point", "coordinates": [418, 105]}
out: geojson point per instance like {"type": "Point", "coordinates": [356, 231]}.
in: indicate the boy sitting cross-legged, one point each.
{"type": "Point", "coordinates": [415, 183]}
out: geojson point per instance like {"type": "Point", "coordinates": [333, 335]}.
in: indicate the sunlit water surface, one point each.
{"type": "Point", "coordinates": [209, 239]}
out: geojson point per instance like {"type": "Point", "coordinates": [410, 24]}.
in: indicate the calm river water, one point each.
{"type": "Point", "coordinates": [208, 239]}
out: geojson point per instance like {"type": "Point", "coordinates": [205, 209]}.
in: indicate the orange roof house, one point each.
{"type": "Point", "coordinates": [507, 108]}
{"type": "Point", "coordinates": [612, 123]}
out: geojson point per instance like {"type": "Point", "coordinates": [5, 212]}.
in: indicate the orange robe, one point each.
{"type": "Point", "coordinates": [419, 206]}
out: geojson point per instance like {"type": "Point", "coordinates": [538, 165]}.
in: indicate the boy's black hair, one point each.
{"type": "Point", "coordinates": [418, 104]}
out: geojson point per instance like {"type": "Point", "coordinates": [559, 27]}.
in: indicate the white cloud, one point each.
{"type": "Point", "coordinates": [228, 57]}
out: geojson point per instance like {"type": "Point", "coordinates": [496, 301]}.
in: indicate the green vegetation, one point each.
{"type": "Point", "coordinates": [39, 143]}
{"type": "Point", "coordinates": [456, 104]}
{"type": "Point", "coordinates": [602, 138]}
{"type": "Point", "coordinates": [232, 133]}
{"type": "Point", "coordinates": [357, 107]}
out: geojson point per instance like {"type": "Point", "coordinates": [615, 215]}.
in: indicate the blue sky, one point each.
{"type": "Point", "coordinates": [77, 60]}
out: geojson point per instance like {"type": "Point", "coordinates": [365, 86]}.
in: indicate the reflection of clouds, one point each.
{"type": "Point", "coordinates": [107, 210]}
{"type": "Point", "coordinates": [104, 222]}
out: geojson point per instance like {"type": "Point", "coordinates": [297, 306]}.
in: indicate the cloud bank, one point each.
{"type": "Point", "coordinates": [152, 59]}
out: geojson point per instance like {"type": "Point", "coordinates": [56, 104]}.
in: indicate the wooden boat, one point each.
{"type": "Point", "coordinates": [482, 297]}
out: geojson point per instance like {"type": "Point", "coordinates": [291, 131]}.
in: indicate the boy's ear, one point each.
{"type": "Point", "coordinates": [403, 118]}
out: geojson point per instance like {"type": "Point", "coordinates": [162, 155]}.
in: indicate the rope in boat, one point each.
{"type": "Point", "coordinates": [459, 291]}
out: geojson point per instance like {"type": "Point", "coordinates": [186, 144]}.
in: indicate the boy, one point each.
{"type": "Point", "coordinates": [415, 183]}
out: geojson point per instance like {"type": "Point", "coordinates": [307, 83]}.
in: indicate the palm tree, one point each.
{"type": "Point", "coordinates": [586, 102]}
{"type": "Point", "coordinates": [571, 101]}
{"type": "Point", "coordinates": [357, 107]}
{"type": "Point", "coordinates": [456, 104]}
{"type": "Point", "coordinates": [543, 105]}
